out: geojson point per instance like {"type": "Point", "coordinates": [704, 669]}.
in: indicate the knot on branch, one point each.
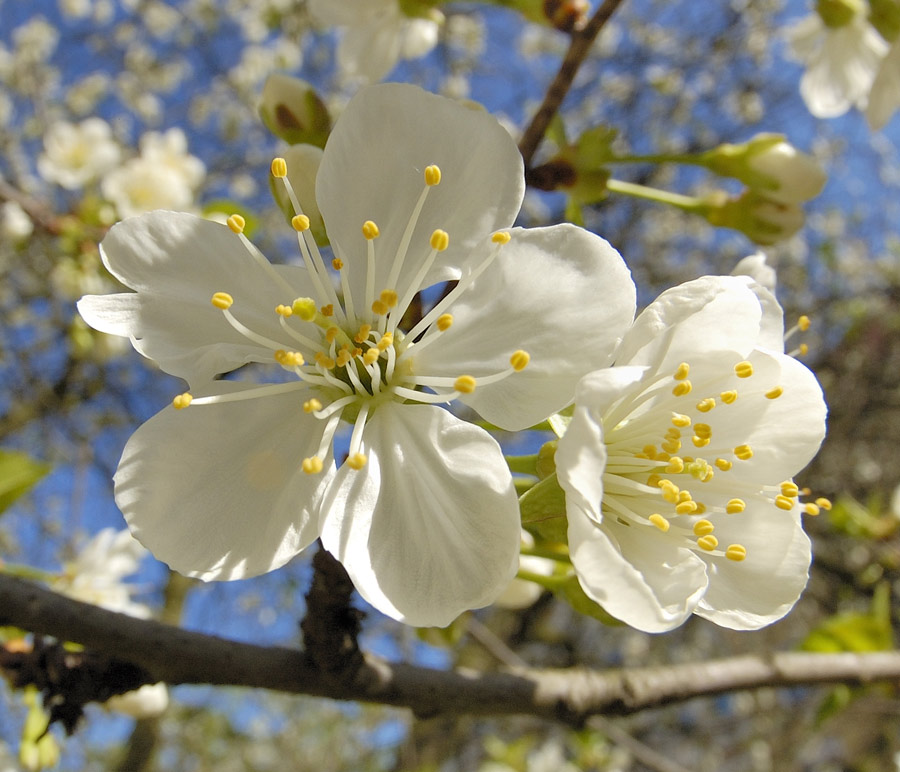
{"type": "Point", "coordinates": [67, 679]}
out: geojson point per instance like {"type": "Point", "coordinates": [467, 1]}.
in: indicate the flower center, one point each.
{"type": "Point", "coordinates": [350, 353]}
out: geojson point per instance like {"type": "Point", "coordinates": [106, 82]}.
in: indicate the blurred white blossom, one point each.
{"type": "Point", "coordinates": [75, 155]}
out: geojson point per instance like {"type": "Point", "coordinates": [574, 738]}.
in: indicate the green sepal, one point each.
{"type": "Point", "coordinates": [543, 509]}
{"type": "Point", "coordinates": [884, 15]}
{"type": "Point", "coordinates": [18, 473]}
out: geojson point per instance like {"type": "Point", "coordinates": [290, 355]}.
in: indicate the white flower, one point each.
{"type": "Point", "coordinates": [170, 150]}
{"type": "Point", "coordinates": [76, 155]}
{"type": "Point", "coordinates": [378, 34]}
{"type": "Point", "coordinates": [884, 99]}
{"type": "Point", "coordinates": [423, 514]}
{"type": "Point", "coordinates": [146, 701]}
{"type": "Point", "coordinates": [97, 573]}
{"type": "Point", "coordinates": [841, 62]}
{"type": "Point", "coordinates": [677, 463]}
{"type": "Point", "coordinates": [15, 224]}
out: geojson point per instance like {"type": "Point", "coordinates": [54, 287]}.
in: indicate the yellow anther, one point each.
{"type": "Point", "coordinates": [279, 167]}
{"type": "Point", "coordinates": [703, 528]}
{"type": "Point", "coordinates": [682, 388]}
{"type": "Point", "coordinates": [710, 473]}
{"type": "Point", "coordinates": [697, 468]}
{"type": "Point", "coordinates": [236, 223]}
{"type": "Point", "coordinates": [736, 552]}
{"type": "Point", "coordinates": [743, 452]}
{"type": "Point", "coordinates": [686, 508]}
{"type": "Point", "coordinates": [386, 340]}
{"type": "Point", "coordinates": [283, 310]}
{"type": "Point", "coordinates": [708, 542]}
{"type": "Point", "coordinates": [501, 237]}
{"type": "Point", "coordinates": [337, 264]}
{"type": "Point", "coordinates": [803, 323]}
{"type": "Point", "coordinates": [654, 480]}
{"type": "Point", "coordinates": [327, 310]}
{"type": "Point", "coordinates": [705, 405]}
{"type": "Point", "coordinates": [465, 384]}
{"type": "Point", "coordinates": [680, 420]}
{"type": "Point", "coordinates": [824, 503]}
{"type": "Point", "coordinates": [331, 333]}
{"type": "Point", "coordinates": [662, 457]}
{"type": "Point", "coordinates": [803, 349]}
{"type": "Point", "coordinates": [440, 240]}
{"type": "Point", "coordinates": [182, 401]}
{"type": "Point", "coordinates": [684, 496]}
{"type": "Point", "coordinates": [675, 466]}
{"type": "Point", "coordinates": [743, 369]}
{"type": "Point", "coordinates": [312, 405]}
{"type": "Point", "coordinates": [673, 434]}
{"type": "Point", "coordinates": [343, 357]}
{"type": "Point", "coordinates": [363, 335]}
{"type": "Point", "coordinates": [444, 322]}
{"type": "Point", "coordinates": [649, 451]}
{"type": "Point", "coordinates": [728, 397]}
{"type": "Point", "coordinates": [701, 508]}
{"type": "Point", "coordinates": [670, 495]}
{"type": "Point", "coordinates": [432, 175]}
{"type": "Point", "coordinates": [519, 360]}
{"type": "Point", "coordinates": [670, 446]}
{"type": "Point", "coordinates": [783, 502]}
{"type": "Point", "coordinates": [357, 461]}
{"type": "Point", "coordinates": [682, 371]}
{"type": "Point", "coordinates": [305, 308]}
{"type": "Point", "coordinates": [289, 358]}
{"type": "Point", "coordinates": [371, 356]}
{"type": "Point", "coordinates": [222, 300]}
{"type": "Point", "coordinates": [357, 352]}
{"type": "Point", "coordinates": [660, 522]}
{"type": "Point", "coordinates": [703, 430]}
{"type": "Point", "coordinates": [790, 489]}
{"type": "Point", "coordinates": [774, 393]}
{"type": "Point", "coordinates": [300, 223]}
{"type": "Point", "coordinates": [389, 297]}
{"type": "Point", "coordinates": [380, 307]}
{"type": "Point", "coordinates": [735, 506]}
{"type": "Point", "coordinates": [811, 509]}
{"type": "Point", "coordinates": [370, 230]}
{"type": "Point", "coordinates": [312, 465]}
{"type": "Point", "coordinates": [723, 463]}
{"type": "Point", "coordinates": [700, 442]}
{"type": "Point", "coordinates": [324, 361]}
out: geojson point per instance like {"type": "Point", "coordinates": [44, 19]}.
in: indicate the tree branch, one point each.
{"type": "Point", "coordinates": [177, 656]}
{"type": "Point", "coordinates": [580, 44]}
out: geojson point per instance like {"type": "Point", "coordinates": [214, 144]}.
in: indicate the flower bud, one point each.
{"type": "Point", "coordinates": [839, 13]}
{"type": "Point", "coordinates": [291, 110]}
{"type": "Point", "coordinates": [761, 219]}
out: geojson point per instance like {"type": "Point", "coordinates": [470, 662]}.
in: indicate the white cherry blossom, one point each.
{"type": "Point", "coordinates": [414, 189]}
{"type": "Point", "coordinates": [884, 98]}
{"type": "Point", "coordinates": [677, 463]}
{"type": "Point", "coordinates": [75, 155]}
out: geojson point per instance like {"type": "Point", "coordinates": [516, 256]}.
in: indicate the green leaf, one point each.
{"type": "Point", "coordinates": [854, 631]}
{"type": "Point", "coordinates": [18, 473]}
{"type": "Point", "coordinates": [543, 509]}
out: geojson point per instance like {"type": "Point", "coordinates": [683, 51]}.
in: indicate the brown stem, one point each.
{"type": "Point", "coordinates": [580, 44]}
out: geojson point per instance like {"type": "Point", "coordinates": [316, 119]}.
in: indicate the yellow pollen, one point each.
{"type": "Point", "coordinates": [283, 310]}
{"type": "Point", "coordinates": [803, 323]}
{"type": "Point", "coordinates": [775, 393]}
{"type": "Point", "coordinates": [654, 481]}
{"type": "Point", "coordinates": [824, 503]}
{"type": "Point", "coordinates": [736, 552]}
{"type": "Point", "coordinates": [673, 434]}
{"type": "Point", "coordinates": [222, 300]}
{"type": "Point", "coordinates": [444, 322]}
{"type": "Point", "coordinates": [236, 223]}
{"type": "Point", "coordinates": [700, 442]}
{"type": "Point", "coordinates": [337, 264]}
{"type": "Point", "coordinates": [680, 420]}
{"type": "Point", "coordinates": [279, 167]}
{"type": "Point", "coordinates": [703, 528]}
{"type": "Point", "coordinates": [686, 508]}
{"type": "Point", "coordinates": [182, 401]}
{"type": "Point", "coordinates": [357, 461]}
{"type": "Point", "coordinates": [324, 361]}
{"type": "Point", "coordinates": [386, 340]}
{"type": "Point", "coordinates": [735, 506]}
{"type": "Point", "coordinates": [312, 405]}
{"type": "Point", "coordinates": [343, 357]}
{"type": "Point", "coordinates": [743, 369]}
{"type": "Point", "coordinates": [501, 237]}
{"type": "Point", "coordinates": [703, 430]}
{"type": "Point", "coordinates": [300, 223]}
{"type": "Point", "coordinates": [790, 489]}
{"type": "Point", "coordinates": [370, 230]}
{"type": "Point", "coordinates": [649, 451]}
{"type": "Point", "coordinates": [465, 384]}
{"type": "Point", "coordinates": [728, 397]}
{"type": "Point", "coordinates": [440, 240]}
{"type": "Point", "coordinates": [305, 308]}
{"type": "Point", "coordinates": [380, 307]}
{"type": "Point", "coordinates": [671, 446]}
{"type": "Point", "coordinates": [357, 352]}
{"type": "Point", "coordinates": [519, 360]}
{"type": "Point", "coordinates": [723, 463]}
{"type": "Point", "coordinates": [743, 452]}
{"type": "Point", "coordinates": [289, 358]}
{"type": "Point", "coordinates": [660, 522]}
{"type": "Point", "coordinates": [701, 508]}
{"type": "Point", "coordinates": [311, 465]}
{"type": "Point", "coordinates": [676, 466]}
{"type": "Point", "coordinates": [363, 334]}
{"type": "Point", "coordinates": [682, 388]}
{"type": "Point", "coordinates": [371, 356]}
{"type": "Point", "coordinates": [327, 310]}
{"type": "Point", "coordinates": [432, 175]}
{"type": "Point", "coordinates": [708, 542]}
{"type": "Point", "coordinates": [705, 405]}
{"type": "Point", "coordinates": [783, 502]}
{"type": "Point", "coordinates": [682, 371]}
{"type": "Point", "coordinates": [710, 473]}
{"type": "Point", "coordinates": [811, 509]}
{"type": "Point", "coordinates": [684, 496]}
{"type": "Point", "coordinates": [389, 297]}
{"type": "Point", "coordinates": [331, 333]}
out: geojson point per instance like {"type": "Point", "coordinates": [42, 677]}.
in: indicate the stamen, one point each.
{"type": "Point", "coordinates": [182, 401]}
{"type": "Point", "coordinates": [708, 542]}
{"type": "Point", "coordinates": [705, 405]}
{"type": "Point", "coordinates": [279, 168]}
{"type": "Point", "coordinates": [682, 371]}
{"type": "Point", "coordinates": [775, 393]}
{"type": "Point", "coordinates": [735, 506]}
{"type": "Point", "coordinates": [682, 388]}
{"type": "Point", "coordinates": [519, 360]}
{"type": "Point", "coordinates": [222, 300]}
{"type": "Point", "coordinates": [790, 489]}
{"type": "Point", "coordinates": [824, 503]}
{"type": "Point", "coordinates": [736, 552]}
{"type": "Point", "coordinates": [440, 240]}
{"type": "Point", "coordinates": [357, 461]}
{"type": "Point", "coordinates": [728, 397]}
{"type": "Point", "coordinates": [432, 175]}
{"type": "Point", "coordinates": [465, 384]}
{"type": "Point", "coordinates": [300, 223]}
{"type": "Point", "coordinates": [660, 522]}
{"type": "Point", "coordinates": [811, 509]}
{"type": "Point", "coordinates": [444, 322]}
{"type": "Point", "coordinates": [783, 502]}
{"type": "Point", "coordinates": [501, 237]}
{"type": "Point", "coordinates": [723, 464]}
{"type": "Point", "coordinates": [675, 466]}
{"type": "Point", "coordinates": [680, 420]}
{"type": "Point", "coordinates": [311, 465]}
{"type": "Point", "coordinates": [703, 528]}
{"type": "Point", "coordinates": [312, 405]}
{"type": "Point", "coordinates": [743, 369]}
{"type": "Point", "coordinates": [743, 452]}
{"type": "Point", "coordinates": [236, 223]}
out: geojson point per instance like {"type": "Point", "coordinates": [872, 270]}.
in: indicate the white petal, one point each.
{"type": "Point", "coordinates": [430, 526]}
{"type": "Point", "coordinates": [884, 99]}
{"type": "Point", "coordinates": [373, 169]}
{"type": "Point", "coordinates": [570, 324]}
{"type": "Point", "coordinates": [216, 491]}
{"type": "Point", "coordinates": [370, 52]}
{"type": "Point", "coordinates": [637, 574]}
{"type": "Point", "coordinates": [176, 262]}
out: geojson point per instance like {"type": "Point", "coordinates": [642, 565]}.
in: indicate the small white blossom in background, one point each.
{"type": "Point", "coordinates": [15, 224]}
{"type": "Point", "coordinates": [376, 35]}
{"type": "Point", "coordinates": [170, 149]}
{"type": "Point", "coordinates": [75, 155]}
{"type": "Point", "coordinates": [75, 9]}
{"type": "Point", "coordinates": [678, 461]}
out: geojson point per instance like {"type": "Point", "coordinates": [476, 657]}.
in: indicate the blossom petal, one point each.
{"type": "Point", "coordinates": [216, 490]}
{"type": "Point", "coordinates": [638, 575]}
{"type": "Point", "coordinates": [884, 99]}
{"type": "Point", "coordinates": [569, 325]}
{"type": "Point", "coordinates": [430, 526]}
{"type": "Point", "coordinates": [373, 169]}
{"type": "Point", "coordinates": [176, 262]}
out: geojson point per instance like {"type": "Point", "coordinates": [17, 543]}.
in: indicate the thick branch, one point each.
{"type": "Point", "coordinates": [581, 43]}
{"type": "Point", "coordinates": [178, 656]}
